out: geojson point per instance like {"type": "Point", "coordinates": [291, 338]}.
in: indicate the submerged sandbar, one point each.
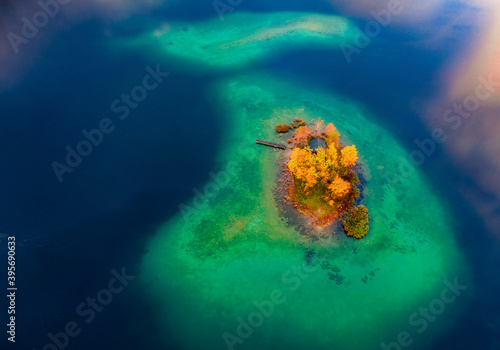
{"type": "Point", "coordinates": [243, 38]}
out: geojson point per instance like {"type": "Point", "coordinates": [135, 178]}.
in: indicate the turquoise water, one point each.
{"type": "Point", "coordinates": [216, 45]}
{"type": "Point", "coordinates": [202, 268]}
{"type": "Point", "coordinates": [214, 263]}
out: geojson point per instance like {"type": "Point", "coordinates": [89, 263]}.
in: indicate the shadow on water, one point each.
{"type": "Point", "coordinates": [71, 265]}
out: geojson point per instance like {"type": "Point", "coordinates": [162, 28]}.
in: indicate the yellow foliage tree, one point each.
{"type": "Point", "coordinates": [302, 164]}
{"type": "Point", "coordinates": [323, 164]}
{"type": "Point", "coordinates": [297, 163]}
{"type": "Point", "coordinates": [349, 156]}
{"type": "Point", "coordinates": [332, 156]}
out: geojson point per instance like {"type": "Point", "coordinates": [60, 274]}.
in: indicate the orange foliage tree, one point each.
{"type": "Point", "coordinates": [332, 134]}
{"type": "Point", "coordinates": [302, 136]}
{"type": "Point", "coordinates": [302, 166]}
{"type": "Point", "coordinates": [330, 128]}
{"type": "Point", "coordinates": [349, 156]}
{"type": "Point", "coordinates": [339, 187]}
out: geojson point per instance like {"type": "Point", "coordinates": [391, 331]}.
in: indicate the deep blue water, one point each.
{"type": "Point", "coordinates": [71, 234]}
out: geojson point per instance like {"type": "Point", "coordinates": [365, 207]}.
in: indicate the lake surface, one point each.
{"type": "Point", "coordinates": [119, 208]}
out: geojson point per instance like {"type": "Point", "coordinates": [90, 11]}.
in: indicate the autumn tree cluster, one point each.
{"type": "Point", "coordinates": [324, 177]}
{"type": "Point", "coordinates": [328, 169]}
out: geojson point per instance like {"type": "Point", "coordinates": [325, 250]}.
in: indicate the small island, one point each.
{"type": "Point", "coordinates": [320, 177]}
